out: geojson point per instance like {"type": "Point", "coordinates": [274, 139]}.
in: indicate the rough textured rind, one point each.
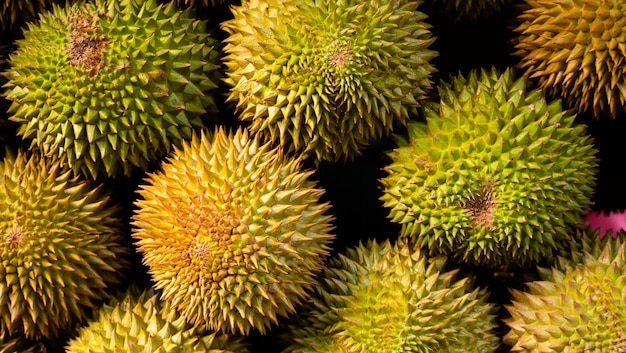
{"type": "Point", "coordinates": [576, 49]}
{"type": "Point", "coordinates": [233, 231]}
{"type": "Point", "coordinates": [496, 177]}
{"type": "Point", "coordinates": [391, 298]}
{"type": "Point", "coordinates": [577, 306]}
{"type": "Point", "coordinates": [16, 12]}
{"type": "Point", "coordinates": [325, 78]}
{"type": "Point", "coordinates": [61, 247]}
{"type": "Point", "coordinates": [107, 87]}
{"type": "Point", "coordinates": [139, 322]}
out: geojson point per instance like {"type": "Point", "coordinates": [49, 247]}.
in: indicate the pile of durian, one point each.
{"type": "Point", "coordinates": [310, 176]}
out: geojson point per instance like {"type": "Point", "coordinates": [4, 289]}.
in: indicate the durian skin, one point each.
{"type": "Point", "coordinates": [326, 78]}
{"type": "Point", "coordinates": [577, 305]}
{"type": "Point", "coordinates": [62, 247]}
{"type": "Point", "coordinates": [576, 50]}
{"type": "Point", "coordinates": [233, 231]}
{"type": "Point", "coordinates": [380, 297]}
{"type": "Point", "coordinates": [143, 84]}
{"type": "Point", "coordinates": [138, 321]}
{"type": "Point", "coordinates": [497, 176]}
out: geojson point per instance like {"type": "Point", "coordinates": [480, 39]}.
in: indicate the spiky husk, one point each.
{"type": "Point", "coordinates": [19, 345]}
{"type": "Point", "coordinates": [576, 49]}
{"type": "Point", "coordinates": [577, 306]}
{"type": "Point", "coordinates": [325, 78]}
{"type": "Point", "coordinates": [496, 177]}
{"type": "Point", "coordinates": [107, 87]}
{"type": "Point", "coordinates": [233, 231]}
{"type": "Point", "coordinates": [391, 298]}
{"type": "Point", "coordinates": [471, 9]}
{"type": "Point", "coordinates": [139, 322]}
{"type": "Point", "coordinates": [61, 246]}
{"type": "Point", "coordinates": [16, 12]}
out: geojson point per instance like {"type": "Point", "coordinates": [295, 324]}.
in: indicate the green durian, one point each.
{"type": "Point", "coordinates": [19, 345]}
{"type": "Point", "coordinates": [497, 176]}
{"type": "Point", "coordinates": [139, 322]}
{"type": "Point", "coordinates": [233, 231]}
{"type": "Point", "coordinates": [326, 78]}
{"type": "Point", "coordinates": [380, 298]}
{"type": "Point", "coordinates": [577, 306]}
{"type": "Point", "coordinates": [15, 13]}
{"type": "Point", "coordinates": [62, 247]}
{"type": "Point", "coordinates": [576, 50]}
{"type": "Point", "coordinates": [472, 10]}
{"type": "Point", "coordinates": [109, 86]}
{"type": "Point", "coordinates": [584, 240]}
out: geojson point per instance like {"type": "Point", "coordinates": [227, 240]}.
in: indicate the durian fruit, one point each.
{"type": "Point", "coordinates": [17, 12]}
{"type": "Point", "coordinates": [496, 177]}
{"type": "Point", "coordinates": [577, 50]}
{"type": "Point", "coordinates": [577, 306]}
{"type": "Point", "coordinates": [233, 231]}
{"type": "Point", "coordinates": [380, 298]}
{"type": "Point", "coordinates": [471, 9]}
{"type": "Point", "coordinates": [62, 247]}
{"type": "Point", "coordinates": [139, 322]}
{"type": "Point", "coordinates": [109, 86]}
{"type": "Point", "coordinates": [19, 345]}
{"type": "Point", "coordinates": [326, 78]}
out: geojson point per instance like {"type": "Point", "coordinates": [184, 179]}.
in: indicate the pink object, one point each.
{"type": "Point", "coordinates": [607, 222]}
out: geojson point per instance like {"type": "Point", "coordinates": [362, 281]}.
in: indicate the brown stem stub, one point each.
{"type": "Point", "coordinates": [15, 236]}
{"type": "Point", "coordinates": [339, 58]}
{"type": "Point", "coordinates": [480, 206]}
{"type": "Point", "coordinates": [86, 44]}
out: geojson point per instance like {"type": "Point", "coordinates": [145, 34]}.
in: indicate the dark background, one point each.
{"type": "Point", "coordinates": [353, 188]}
